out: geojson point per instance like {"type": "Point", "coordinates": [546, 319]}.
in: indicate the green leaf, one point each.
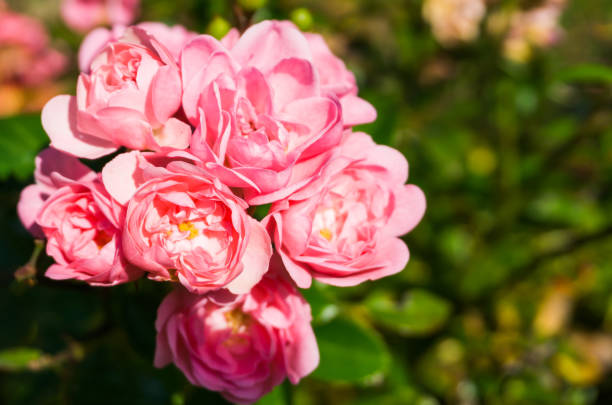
{"type": "Point", "coordinates": [349, 352]}
{"type": "Point", "coordinates": [322, 306]}
{"type": "Point", "coordinates": [21, 138]}
{"type": "Point", "coordinates": [586, 73]}
{"type": "Point", "coordinates": [18, 358]}
{"type": "Point", "coordinates": [274, 397]}
{"type": "Point", "coordinates": [420, 313]}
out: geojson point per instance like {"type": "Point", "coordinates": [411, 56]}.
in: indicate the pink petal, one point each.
{"type": "Point", "coordinates": [91, 46]}
{"type": "Point", "coordinates": [255, 260]}
{"type": "Point", "coordinates": [59, 272]}
{"type": "Point", "coordinates": [165, 94]}
{"type": "Point", "coordinates": [410, 207]}
{"type": "Point", "coordinates": [195, 56]}
{"type": "Point", "coordinates": [298, 273]}
{"type": "Point", "coordinates": [359, 145]}
{"type": "Point", "coordinates": [118, 176]}
{"type": "Point", "coordinates": [59, 121]}
{"type": "Point", "coordinates": [174, 134]}
{"type": "Point", "coordinates": [231, 38]}
{"type": "Point", "coordinates": [263, 45]}
{"type": "Point", "coordinates": [356, 111]}
{"type": "Point", "coordinates": [302, 356]}
{"type": "Point", "coordinates": [50, 163]}
{"type": "Point", "coordinates": [30, 202]}
{"type": "Point", "coordinates": [292, 79]}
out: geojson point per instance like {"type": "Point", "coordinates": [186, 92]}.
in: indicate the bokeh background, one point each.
{"type": "Point", "coordinates": [503, 109]}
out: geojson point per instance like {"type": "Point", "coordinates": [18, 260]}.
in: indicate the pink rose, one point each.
{"type": "Point", "coordinates": [182, 224]}
{"type": "Point", "coordinates": [242, 346]}
{"type": "Point", "coordinates": [128, 99]}
{"type": "Point", "coordinates": [343, 228]}
{"type": "Point", "coordinates": [54, 169]}
{"type": "Point", "coordinates": [265, 121]}
{"type": "Point", "coordinates": [79, 220]}
{"type": "Point", "coordinates": [83, 15]}
{"type": "Point", "coordinates": [172, 38]}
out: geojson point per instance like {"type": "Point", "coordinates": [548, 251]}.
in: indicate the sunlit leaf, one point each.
{"type": "Point", "coordinates": [586, 73]}
{"type": "Point", "coordinates": [419, 313]}
{"type": "Point", "coordinates": [18, 358]}
{"type": "Point", "coordinates": [349, 352]}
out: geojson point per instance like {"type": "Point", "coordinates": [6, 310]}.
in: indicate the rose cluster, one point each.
{"type": "Point", "coordinates": [199, 131]}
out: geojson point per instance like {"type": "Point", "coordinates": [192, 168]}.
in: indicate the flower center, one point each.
{"type": "Point", "coordinates": [102, 239]}
{"type": "Point", "coordinates": [326, 233]}
{"type": "Point", "coordinates": [237, 320]}
{"type": "Point", "coordinates": [188, 227]}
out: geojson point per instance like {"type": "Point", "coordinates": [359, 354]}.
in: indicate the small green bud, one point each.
{"type": "Point", "coordinates": [218, 27]}
{"type": "Point", "coordinates": [302, 18]}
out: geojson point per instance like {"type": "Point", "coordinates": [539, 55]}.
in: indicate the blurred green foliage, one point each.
{"type": "Point", "coordinates": [507, 298]}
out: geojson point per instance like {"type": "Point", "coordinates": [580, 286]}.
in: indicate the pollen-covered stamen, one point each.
{"type": "Point", "coordinates": [328, 220]}
{"type": "Point", "coordinates": [188, 227]}
{"type": "Point", "coordinates": [237, 320]}
{"type": "Point", "coordinates": [326, 233]}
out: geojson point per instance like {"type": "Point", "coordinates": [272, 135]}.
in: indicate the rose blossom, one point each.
{"type": "Point", "coordinates": [128, 99]}
{"type": "Point", "coordinates": [343, 228]}
{"type": "Point", "coordinates": [454, 21]}
{"type": "Point", "coordinates": [25, 56]}
{"type": "Point", "coordinates": [172, 38]}
{"type": "Point", "coordinates": [83, 15]}
{"type": "Point", "coordinates": [266, 121]}
{"type": "Point", "coordinates": [53, 170]}
{"type": "Point", "coordinates": [182, 224]}
{"type": "Point", "coordinates": [27, 64]}
{"type": "Point", "coordinates": [538, 27]}
{"type": "Point", "coordinates": [239, 345]}
{"type": "Point", "coordinates": [80, 221]}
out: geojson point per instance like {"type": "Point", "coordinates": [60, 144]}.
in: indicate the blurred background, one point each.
{"type": "Point", "coordinates": [503, 109]}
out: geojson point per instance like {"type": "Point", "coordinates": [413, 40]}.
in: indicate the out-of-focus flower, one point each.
{"type": "Point", "coordinates": [554, 310]}
{"type": "Point", "coordinates": [27, 63]}
{"type": "Point", "coordinates": [454, 21]}
{"type": "Point", "coordinates": [239, 345]}
{"type": "Point", "coordinates": [83, 15]}
{"type": "Point", "coordinates": [527, 29]}
{"type": "Point", "coordinates": [586, 359]}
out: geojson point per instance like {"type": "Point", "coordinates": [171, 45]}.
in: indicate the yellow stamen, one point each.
{"type": "Point", "coordinates": [188, 227]}
{"type": "Point", "coordinates": [237, 319]}
{"type": "Point", "coordinates": [326, 233]}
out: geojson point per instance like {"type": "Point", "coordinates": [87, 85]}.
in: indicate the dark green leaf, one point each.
{"type": "Point", "coordinates": [322, 306]}
{"type": "Point", "coordinates": [349, 352]}
{"type": "Point", "coordinates": [21, 138]}
{"type": "Point", "coordinates": [275, 397]}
